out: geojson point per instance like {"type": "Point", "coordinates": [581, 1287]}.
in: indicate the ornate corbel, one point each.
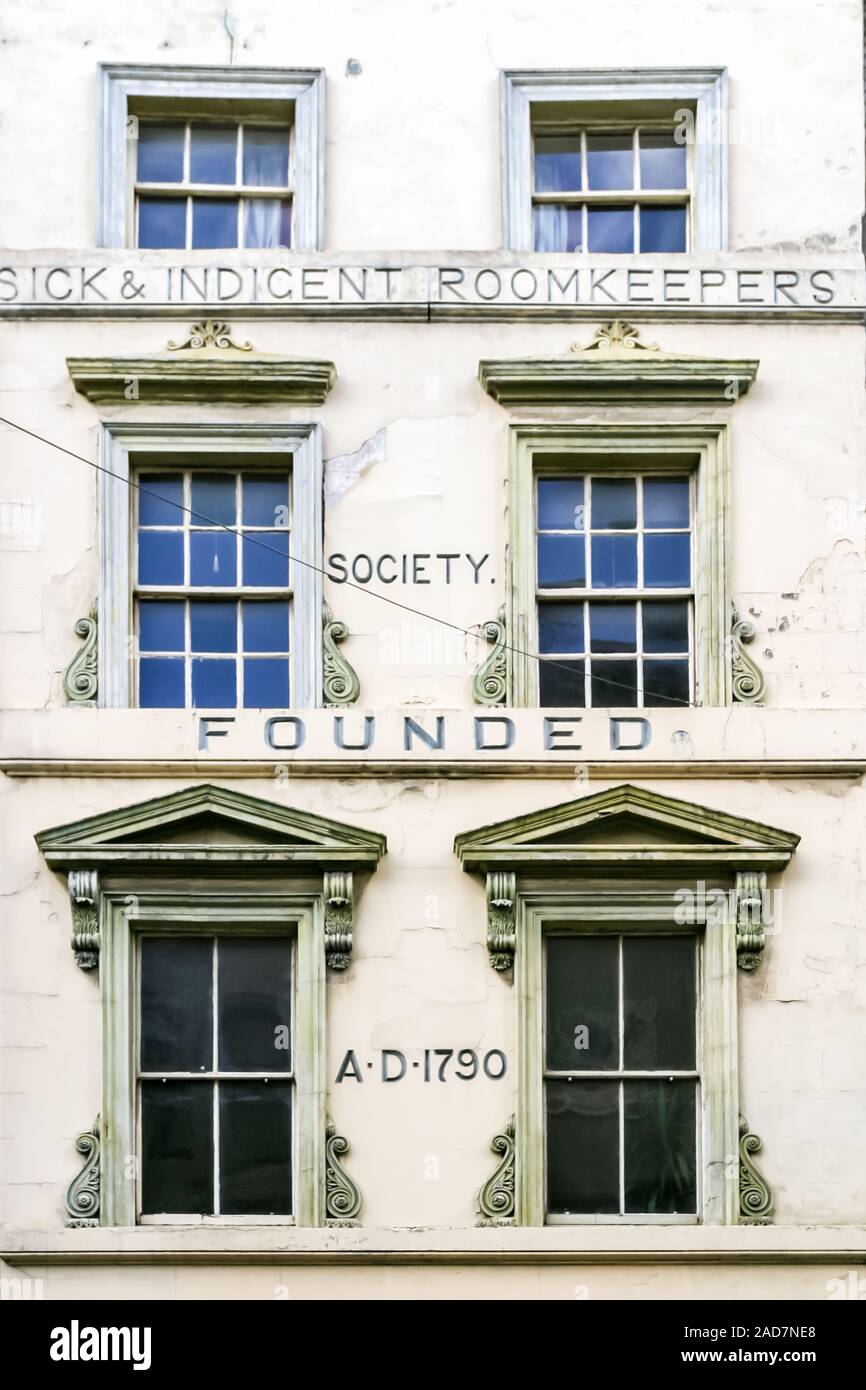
{"type": "Point", "coordinates": [338, 920]}
{"type": "Point", "coordinates": [501, 939]}
{"type": "Point", "coordinates": [82, 1195]}
{"type": "Point", "coordinates": [84, 896]}
{"type": "Point", "coordinates": [341, 684]}
{"type": "Point", "coordinates": [749, 685]}
{"type": "Point", "coordinates": [490, 682]}
{"type": "Point", "coordinates": [756, 1196]}
{"type": "Point", "coordinates": [496, 1198]}
{"type": "Point", "coordinates": [80, 679]}
{"type": "Point", "coordinates": [751, 936]}
{"type": "Point", "coordinates": [342, 1195]}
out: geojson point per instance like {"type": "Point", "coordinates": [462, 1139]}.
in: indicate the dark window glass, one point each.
{"type": "Point", "coordinates": [557, 163]}
{"type": "Point", "coordinates": [557, 227]}
{"type": "Point", "coordinates": [161, 683]}
{"type": "Point", "coordinates": [614, 683]}
{"type": "Point", "coordinates": [614, 504]}
{"type": "Point", "coordinates": [213, 499]}
{"type": "Point", "coordinates": [666, 683]}
{"type": "Point", "coordinates": [214, 222]}
{"type": "Point", "coordinates": [582, 1003]}
{"type": "Point", "coordinates": [611, 230]}
{"type": "Point", "coordinates": [613, 627]}
{"type": "Point", "coordinates": [665, 626]}
{"type": "Point", "coordinates": [266, 683]}
{"type": "Point", "coordinates": [160, 500]}
{"type": "Point", "coordinates": [667, 560]}
{"type": "Point", "coordinates": [660, 1146]}
{"type": "Point", "coordinates": [162, 223]}
{"type": "Point", "coordinates": [266, 559]}
{"type": "Point", "coordinates": [266, 627]}
{"type": "Point", "coordinates": [255, 1148]}
{"type": "Point", "coordinates": [662, 229]}
{"type": "Point", "coordinates": [254, 1004]}
{"type": "Point", "coordinates": [160, 557]}
{"type": "Point", "coordinates": [266, 157]}
{"type": "Point", "coordinates": [659, 1002]}
{"type": "Point", "coordinates": [582, 1146]}
{"type": "Point", "coordinates": [560, 504]}
{"type": "Point", "coordinates": [662, 162]}
{"type": "Point", "coordinates": [212, 559]}
{"type": "Point", "coordinates": [176, 1004]}
{"type": "Point", "coordinates": [160, 153]}
{"type": "Point", "coordinates": [214, 683]}
{"type": "Point", "coordinates": [561, 562]}
{"type": "Point", "coordinates": [610, 161]}
{"type": "Point", "coordinates": [562, 684]}
{"type": "Point", "coordinates": [213, 627]}
{"type": "Point", "coordinates": [213, 154]}
{"type": "Point", "coordinates": [176, 1147]}
{"type": "Point", "coordinates": [160, 626]}
{"type": "Point", "coordinates": [665, 502]}
{"type": "Point", "coordinates": [265, 501]}
{"type": "Point", "coordinates": [560, 627]}
{"type": "Point", "coordinates": [614, 562]}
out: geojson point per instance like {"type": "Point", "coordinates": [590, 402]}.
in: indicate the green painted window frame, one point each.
{"type": "Point", "coordinates": [619, 911]}
{"type": "Point", "coordinates": [619, 448]}
{"type": "Point", "coordinates": [132, 910]}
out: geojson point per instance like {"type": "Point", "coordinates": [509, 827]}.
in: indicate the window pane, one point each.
{"type": "Point", "coordinates": [582, 1003]}
{"type": "Point", "coordinates": [614, 504]}
{"type": "Point", "coordinates": [582, 1146]}
{"type": "Point", "coordinates": [160, 627]}
{"type": "Point", "coordinates": [662, 162]}
{"type": "Point", "coordinates": [266, 559]}
{"type": "Point", "coordinates": [176, 1147]}
{"type": "Point", "coordinates": [658, 990]}
{"type": "Point", "coordinates": [160, 499]}
{"type": "Point", "coordinates": [560, 627]}
{"type": "Point", "coordinates": [161, 683]}
{"type": "Point", "coordinates": [255, 1148]}
{"type": "Point", "coordinates": [561, 562]}
{"type": "Point", "coordinates": [560, 504]}
{"type": "Point", "coordinates": [214, 222]}
{"type": "Point", "coordinates": [212, 559]}
{"type": "Point", "coordinates": [614, 683]}
{"type": "Point", "coordinates": [666, 561]}
{"type": "Point", "coordinates": [614, 562]}
{"type": "Point", "coordinates": [666, 683]}
{"type": "Point", "coordinates": [611, 229]}
{"type": "Point", "coordinates": [266, 683]}
{"type": "Point", "coordinates": [663, 229]}
{"type": "Point", "coordinates": [213, 627]}
{"type": "Point", "coordinates": [213, 499]}
{"type": "Point", "coordinates": [557, 228]}
{"type": "Point", "coordinates": [610, 161]}
{"type": "Point", "coordinates": [213, 154]}
{"type": "Point", "coordinates": [176, 1004]}
{"type": "Point", "coordinates": [266, 627]}
{"type": "Point", "coordinates": [267, 222]}
{"type": "Point", "coordinates": [613, 627]}
{"type": "Point", "coordinates": [162, 222]}
{"type": "Point", "coordinates": [160, 557]}
{"type": "Point", "coordinates": [255, 993]}
{"type": "Point", "coordinates": [665, 502]}
{"type": "Point", "coordinates": [214, 684]}
{"type": "Point", "coordinates": [660, 1146]}
{"type": "Point", "coordinates": [557, 163]}
{"type": "Point", "coordinates": [265, 501]}
{"type": "Point", "coordinates": [561, 684]}
{"type": "Point", "coordinates": [266, 157]}
{"type": "Point", "coordinates": [160, 153]}
{"type": "Point", "coordinates": [665, 627]}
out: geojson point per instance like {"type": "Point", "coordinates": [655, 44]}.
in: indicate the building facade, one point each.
{"type": "Point", "coordinates": [433, 521]}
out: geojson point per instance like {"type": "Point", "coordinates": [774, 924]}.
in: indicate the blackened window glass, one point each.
{"type": "Point", "coordinates": [582, 1148]}
{"type": "Point", "coordinates": [660, 1148]}
{"type": "Point", "coordinates": [176, 990]}
{"type": "Point", "coordinates": [255, 1148]}
{"type": "Point", "coordinates": [582, 1003]}
{"type": "Point", "coordinates": [255, 991]}
{"type": "Point", "coordinates": [177, 1171]}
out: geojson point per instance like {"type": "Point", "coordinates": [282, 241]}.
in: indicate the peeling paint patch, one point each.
{"type": "Point", "coordinates": [345, 470]}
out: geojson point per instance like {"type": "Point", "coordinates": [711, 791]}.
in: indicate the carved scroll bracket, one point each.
{"type": "Point", "coordinates": [80, 679]}
{"type": "Point", "coordinates": [751, 934]}
{"type": "Point", "coordinates": [756, 1196]}
{"type": "Point", "coordinates": [82, 1195]}
{"type": "Point", "coordinates": [496, 1198]}
{"type": "Point", "coordinates": [490, 682]}
{"type": "Point", "coordinates": [339, 913]}
{"type": "Point", "coordinates": [501, 938]}
{"type": "Point", "coordinates": [84, 897]}
{"type": "Point", "coordinates": [749, 686]}
{"type": "Point", "coordinates": [342, 1195]}
{"type": "Point", "coordinates": [341, 684]}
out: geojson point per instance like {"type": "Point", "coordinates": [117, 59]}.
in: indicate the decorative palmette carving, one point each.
{"type": "Point", "coordinates": [84, 897]}
{"type": "Point", "coordinates": [617, 336]}
{"type": "Point", "coordinates": [751, 934]}
{"type": "Point", "coordinates": [82, 1195]}
{"type": "Point", "coordinates": [756, 1197]}
{"type": "Point", "coordinates": [341, 684]}
{"type": "Point", "coordinates": [496, 1198]}
{"type": "Point", "coordinates": [342, 1196]}
{"type": "Point", "coordinates": [81, 679]}
{"type": "Point", "coordinates": [338, 920]}
{"type": "Point", "coordinates": [209, 333]}
{"type": "Point", "coordinates": [501, 939]}
{"type": "Point", "coordinates": [749, 685]}
{"type": "Point", "coordinates": [490, 682]}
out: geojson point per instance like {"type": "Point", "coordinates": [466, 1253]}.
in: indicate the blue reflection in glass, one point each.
{"type": "Point", "coordinates": [160, 682]}
{"type": "Point", "coordinates": [557, 164]}
{"type": "Point", "coordinates": [266, 156]}
{"type": "Point", "coordinates": [557, 227]}
{"type": "Point", "coordinates": [214, 222]}
{"type": "Point", "coordinates": [560, 504]}
{"type": "Point", "coordinates": [667, 561]}
{"type": "Point", "coordinates": [265, 501]}
{"type": "Point", "coordinates": [665, 502]}
{"type": "Point", "coordinates": [162, 223]}
{"type": "Point", "coordinates": [213, 499]}
{"type": "Point", "coordinates": [214, 684]}
{"type": "Point", "coordinates": [213, 154]}
{"type": "Point", "coordinates": [213, 627]}
{"type": "Point", "coordinates": [264, 569]}
{"type": "Point", "coordinates": [160, 557]}
{"type": "Point", "coordinates": [614, 562]}
{"type": "Point", "coordinates": [613, 627]}
{"type": "Point", "coordinates": [160, 153]}
{"type": "Point", "coordinates": [160, 626]}
{"type": "Point", "coordinates": [212, 559]}
{"type": "Point", "coordinates": [610, 161]}
{"type": "Point", "coordinates": [614, 504]}
{"type": "Point", "coordinates": [266, 627]}
{"type": "Point", "coordinates": [611, 229]}
{"type": "Point", "coordinates": [266, 683]}
{"type": "Point", "coordinates": [662, 162]}
{"type": "Point", "coordinates": [163, 509]}
{"type": "Point", "coordinates": [662, 229]}
{"type": "Point", "coordinates": [665, 626]}
{"type": "Point", "coordinates": [560, 627]}
{"type": "Point", "coordinates": [561, 562]}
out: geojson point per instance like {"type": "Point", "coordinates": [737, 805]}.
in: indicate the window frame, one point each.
{"type": "Point", "coordinates": [599, 96]}
{"type": "Point", "coordinates": [608, 444]}
{"type": "Point", "coordinates": [121, 86]}
{"type": "Point", "coordinates": [216, 444]}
